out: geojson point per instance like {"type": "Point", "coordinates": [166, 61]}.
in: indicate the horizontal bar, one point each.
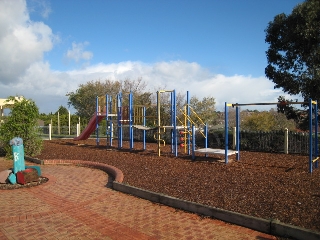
{"type": "Point", "coordinates": [163, 91]}
{"type": "Point", "coordinates": [316, 159]}
{"type": "Point", "coordinates": [275, 103]}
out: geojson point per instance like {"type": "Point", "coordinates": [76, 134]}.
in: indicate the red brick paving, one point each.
{"type": "Point", "coordinates": [75, 204]}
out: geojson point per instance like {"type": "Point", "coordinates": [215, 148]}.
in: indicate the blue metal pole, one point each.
{"type": "Point", "coordinates": [158, 123]}
{"type": "Point", "coordinates": [97, 123]}
{"type": "Point", "coordinates": [172, 122]}
{"type": "Point", "coordinates": [206, 136]}
{"type": "Point", "coordinates": [226, 132]}
{"type": "Point", "coordinates": [188, 123]}
{"type": "Point", "coordinates": [107, 118]}
{"type": "Point", "coordinates": [130, 120]}
{"type": "Point", "coordinates": [144, 124]}
{"type": "Point", "coordinates": [119, 111]}
{"type": "Point", "coordinates": [237, 133]}
{"type": "Point", "coordinates": [175, 123]}
{"type": "Point", "coordinates": [310, 136]}
{"type": "Point", "coordinates": [111, 122]}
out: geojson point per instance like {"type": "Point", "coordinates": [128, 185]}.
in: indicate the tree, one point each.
{"type": "Point", "coordinates": [204, 109]}
{"type": "Point", "coordinates": [62, 111]}
{"type": "Point", "coordinates": [281, 121]}
{"type": "Point", "coordinates": [294, 51]}
{"type": "Point", "coordinates": [84, 98]}
{"type": "Point", "coordinates": [261, 121]}
{"type": "Point", "coordinates": [299, 116]}
{"type": "Point", "coordinates": [266, 121]}
{"type": "Point", "coordinates": [22, 122]}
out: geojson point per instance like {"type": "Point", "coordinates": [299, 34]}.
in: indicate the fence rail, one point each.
{"type": "Point", "coordinates": [274, 141]}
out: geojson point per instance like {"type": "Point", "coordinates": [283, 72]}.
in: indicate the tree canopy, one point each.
{"type": "Point", "coordinates": [204, 109]}
{"type": "Point", "coordinates": [294, 50]}
{"type": "Point", "coordinates": [84, 98]}
{"type": "Point", "coordinates": [267, 121]}
{"type": "Point", "coordinates": [62, 111]}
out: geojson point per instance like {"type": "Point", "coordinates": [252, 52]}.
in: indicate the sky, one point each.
{"type": "Point", "coordinates": [211, 48]}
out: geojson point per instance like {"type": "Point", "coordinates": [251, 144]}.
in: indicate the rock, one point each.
{"type": "Point", "coordinates": [35, 167]}
{"type": "Point", "coordinates": [28, 175]}
{"type": "Point", "coordinates": [4, 176]}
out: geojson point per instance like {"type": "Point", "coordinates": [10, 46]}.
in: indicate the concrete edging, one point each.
{"type": "Point", "coordinates": [272, 227]}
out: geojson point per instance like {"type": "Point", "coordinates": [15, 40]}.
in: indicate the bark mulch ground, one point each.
{"type": "Point", "coordinates": [265, 185]}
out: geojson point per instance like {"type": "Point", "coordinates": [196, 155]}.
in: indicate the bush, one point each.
{"type": "Point", "coordinates": [22, 122]}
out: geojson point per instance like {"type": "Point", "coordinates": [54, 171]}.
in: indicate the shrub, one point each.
{"type": "Point", "coordinates": [22, 122]}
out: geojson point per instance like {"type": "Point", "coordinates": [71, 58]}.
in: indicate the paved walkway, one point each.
{"type": "Point", "coordinates": [76, 204]}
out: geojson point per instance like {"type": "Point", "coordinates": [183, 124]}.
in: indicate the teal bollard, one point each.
{"type": "Point", "coordinates": [18, 155]}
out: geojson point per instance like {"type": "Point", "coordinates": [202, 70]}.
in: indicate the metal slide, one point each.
{"type": "Point", "coordinates": [90, 128]}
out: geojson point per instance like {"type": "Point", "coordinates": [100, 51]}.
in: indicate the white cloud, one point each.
{"type": "Point", "coordinates": [77, 52]}
{"type": "Point", "coordinates": [181, 76]}
{"type": "Point", "coordinates": [24, 72]}
{"type": "Point", "coordinates": [22, 42]}
{"type": "Point", "coordinates": [48, 88]}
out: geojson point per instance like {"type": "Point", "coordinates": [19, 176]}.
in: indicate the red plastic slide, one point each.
{"type": "Point", "coordinates": [90, 128]}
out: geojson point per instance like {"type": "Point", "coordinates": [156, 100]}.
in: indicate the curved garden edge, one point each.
{"type": "Point", "coordinates": [113, 171]}
{"type": "Point", "coordinates": [269, 226]}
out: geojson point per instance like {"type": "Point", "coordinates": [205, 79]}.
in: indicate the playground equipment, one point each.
{"type": "Point", "coordinates": [187, 129]}
{"type": "Point", "coordinates": [313, 141]}
{"type": "Point", "coordinates": [134, 117]}
{"type": "Point", "coordinates": [173, 121]}
{"type": "Point", "coordinates": [113, 111]}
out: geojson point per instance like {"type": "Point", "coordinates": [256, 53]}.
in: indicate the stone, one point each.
{"type": "Point", "coordinates": [27, 176]}
{"type": "Point", "coordinates": [35, 167]}
{"type": "Point", "coordinates": [4, 175]}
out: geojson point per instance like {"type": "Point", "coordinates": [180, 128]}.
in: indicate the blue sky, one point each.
{"type": "Point", "coordinates": [210, 47]}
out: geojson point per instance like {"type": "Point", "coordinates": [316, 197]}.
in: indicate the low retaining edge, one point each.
{"type": "Point", "coordinates": [272, 227]}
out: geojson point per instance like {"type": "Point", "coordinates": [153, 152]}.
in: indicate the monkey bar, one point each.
{"type": "Point", "coordinates": [311, 103]}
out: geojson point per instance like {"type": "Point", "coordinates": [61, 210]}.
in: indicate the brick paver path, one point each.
{"type": "Point", "coordinates": [76, 204]}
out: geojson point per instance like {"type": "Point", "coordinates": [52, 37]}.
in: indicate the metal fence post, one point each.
{"type": "Point", "coordinates": [234, 138]}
